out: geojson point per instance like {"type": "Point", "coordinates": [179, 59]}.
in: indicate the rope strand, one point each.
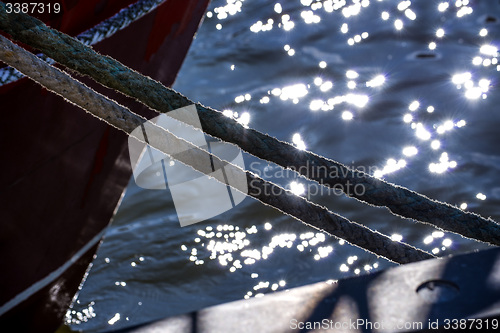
{"type": "Point", "coordinates": [267, 192]}
{"type": "Point", "coordinates": [109, 72]}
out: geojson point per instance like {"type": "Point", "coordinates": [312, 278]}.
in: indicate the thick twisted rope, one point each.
{"type": "Point", "coordinates": [103, 30]}
{"type": "Point", "coordinates": [264, 191]}
{"type": "Point", "coordinates": [109, 72]}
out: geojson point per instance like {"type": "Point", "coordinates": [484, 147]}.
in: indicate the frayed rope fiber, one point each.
{"type": "Point", "coordinates": [109, 72]}
{"type": "Point", "coordinates": [268, 193]}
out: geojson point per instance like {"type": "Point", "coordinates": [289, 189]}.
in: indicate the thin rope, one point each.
{"type": "Point", "coordinates": [267, 192]}
{"type": "Point", "coordinates": [111, 73]}
{"type": "Point", "coordinates": [101, 31]}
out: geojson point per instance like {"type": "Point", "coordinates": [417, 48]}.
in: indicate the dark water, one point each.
{"type": "Point", "coordinates": [390, 102]}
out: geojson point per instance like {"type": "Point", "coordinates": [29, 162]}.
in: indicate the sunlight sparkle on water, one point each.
{"type": "Point", "coordinates": [473, 93]}
{"type": "Point", "coordinates": [414, 106]}
{"type": "Point", "coordinates": [347, 115]}
{"type": "Point", "coordinates": [357, 100]}
{"type": "Point", "coordinates": [422, 133]}
{"type": "Point", "coordinates": [391, 166]}
{"type": "Point", "coordinates": [286, 23]}
{"type": "Point", "coordinates": [484, 84]}
{"type": "Point", "coordinates": [398, 24]}
{"type": "Point", "coordinates": [259, 26]}
{"type": "Point", "coordinates": [235, 251]}
{"type": "Point", "coordinates": [462, 78]}
{"type": "Point", "coordinates": [264, 100]}
{"type": "Point", "coordinates": [396, 237]}
{"type": "Point", "coordinates": [437, 234]}
{"type": "Point", "coordinates": [445, 127]}
{"type": "Point", "coordinates": [293, 92]}
{"type": "Point", "coordinates": [481, 196]}
{"type": "Point", "coordinates": [350, 74]}
{"type": "Point", "coordinates": [443, 6]}
{"type": "Point", "coordinates": [489, 50]}
{"type": "Point", "coordinates": [316, 104]}
{"type": "Point", "coordinates": [435, 144]}
{"type": "Point", "coordinates": [115, 318]}
{"type": "Point", "coordinates": [299, 143]}
{"type": "Point", "coordinates": [277, 8]}
{"type": "Point", "coordinates": [324, 251]}
{"type": "Point", "coordinates": [344, 28]}
{"type": "Point", "coordinates": [376, 81]}
{"type": "Point", "coordinates": [326, 86]}
{"type": "Point", "coordinates": [297, 188]}
{"type": "Point", "coordinates": [471, 90]}
{"type": "Point", "coordinates": [443, 165]}
{"type": "Point", "coordinates": [244, 119]}
{"type": "Point", "coordinates": [410, 151]}
{"type": "Point", "coordinates": [410, 14]}
{"type": "Point", "coordinates": [464, 11]}
{"type": "Point", "coordinates": [352, 10]}
{"type": "Point", "coordinates": [403, 5]}
{"type": "Point", "coordinates": [309, 17]}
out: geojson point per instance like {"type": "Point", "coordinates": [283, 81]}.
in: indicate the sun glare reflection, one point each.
{"type": "Point", "coordinates": [391, 166]}
{"type": "Point", "coordinates": [230, 247]}
{"type": "Point", "coordinates": [398, 24]}
{"type": "Point", "coordinates": [377, 81]}
{"type": "Point", "coordinates": [432, 128]}
{"type": "Point", "coordinates": [299, 143]}
{"type": "Point", "coordinates": [443, 165]}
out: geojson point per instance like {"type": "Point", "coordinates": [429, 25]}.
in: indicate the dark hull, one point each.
{"type": "Point", "coordinates": [64, 171]}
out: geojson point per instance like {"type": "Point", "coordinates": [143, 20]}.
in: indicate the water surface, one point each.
{"type": "Point", "coordinates": [405, 90]}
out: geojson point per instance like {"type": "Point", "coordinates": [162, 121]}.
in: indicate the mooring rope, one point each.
{"type": "Point", "coordinates": [267, 192]}
{"type": "Point", "coordinates": [111, 73]}
{"type": "Point", "coordinates": [101, 31]}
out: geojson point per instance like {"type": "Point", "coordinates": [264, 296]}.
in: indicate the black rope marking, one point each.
{"type": "Point", "coordinates": [221, 168]}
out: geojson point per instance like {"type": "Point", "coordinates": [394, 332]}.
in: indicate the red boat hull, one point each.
{"type": "Point", "coordinates": [64, 171]}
